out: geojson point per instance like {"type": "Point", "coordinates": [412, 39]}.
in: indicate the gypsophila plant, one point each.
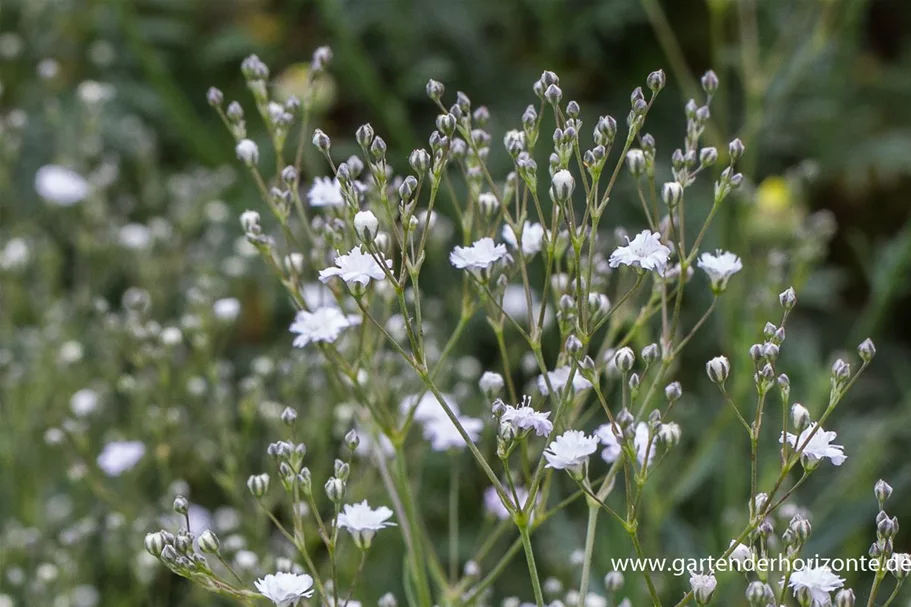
{"type": "Point", "coordinates": [531, 258]}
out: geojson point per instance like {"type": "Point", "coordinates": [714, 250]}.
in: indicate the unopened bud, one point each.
{"type": "Point", "coordinates": [718, 369]}
{"type": "Point", "coordinates": [258, 484]}
{"type": "Point", "coordinates": [208, 542]}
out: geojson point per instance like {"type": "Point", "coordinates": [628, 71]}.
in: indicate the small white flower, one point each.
{"type": "Point", "coordinates": [366, 225]}
{"type": "Point", "coordinates": [325, 192]}
{"type": "Point", "coordinates": [525, 418]}
{"type": "Point", "coordinates": [819, 447]}
{"type": "Point", "coordinates": [703, 587]}
{"type": "Point", "coordinates": [479, 256]}
{"type": "Point", "coordinates": [285, 589]}
{"type": "Point", "coordinates": [15, 254]}
{"type": "Point", "coordinates": [570, 451]}
{"type": "Point", "coordinates": [323, 325]}
{"type": "Point", "coordinates": [84, 402]}
{"type": "Point", "coordinates": [60, 185]}
{"type": "Point", "coordinates": [427, 408]}
{"type": "Point", "coordinates": [532, 237]}
{"type": "Point", "coordinates": [171, 337]}
{"type": "Point", "coordinates": [119, 456]}
{"type": "Point", "coordinates": [491, 383]}
{"type": "Point", "coordinates": [645, 251]}
{"type": "Point", "coordinates": [613, 446]}
{"type": "Point", "coordinates": [248, 152]}
{"type": "Point", "coordinates": [226, 309]}
{"type": "Point", "coordinates": [135, 236]}
{"type": "Point", "coordinates": [819, 581]}
{"type": "Point", "coordinates": [558, 378]}
{"type": "Point", "coordinates": [494, 505]}
{"type": "Point", "coordinates": [363, 522]}
{"type": "Point", "coordinates": [355, 267]}
{"type": "Point", "coordinates": [443, 434]}
{"type": "Point", "coordinates": [719, 268]}
{"type": "Point", "coordinates": [741, 553]}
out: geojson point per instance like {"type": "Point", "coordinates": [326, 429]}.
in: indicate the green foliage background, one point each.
{"type": "Point", "coordinates": [818, 89]}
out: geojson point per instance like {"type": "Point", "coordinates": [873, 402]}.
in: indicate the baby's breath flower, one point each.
{"type": "Point", "coordinates": [819, 582]}
{"type": "Point", "coordinates": [285, 589]}
{"type": "Point", "coordinates": [491, 383]}
{"type": "Point", "coordinates": [248, 152]}
{"type": "Point", "coordinates": [570, 452]}
{"type": "Point", "coordinates": [323, 325]}
{"type": "Point", "coordinates": [120, 456]}
{"type": "Point", "coordinates": [532, 237]}
{"type": "Point", "coordinates": [365, 225]}
{"type": "Point", "coordinates": [226, 309]}
{"type": "Point", "coordinates": [479, 256]}
{"type": "Point", "coordinates": [703, 587]}
{"type": "Point", "coordinates": [443, 434]}
{"type": "Point", "coordinates": [363, 522]}
{"type": "Point", "coordinates": [325, 192]}
{"type": "Point", "coordinates": [355, 267]}
{"type": "Point", "coordinates": [558, 378]}
{"type": "Point", "coordinates": [645, 251]}
{"type": "Point", "coordinates": [525, 418]}
{"type": "Point", "coordinates": [819, 447]}
{"type": "Point", "coordinates": [60, 185]}
{"type": "Point", "coordinates": [719, 268]}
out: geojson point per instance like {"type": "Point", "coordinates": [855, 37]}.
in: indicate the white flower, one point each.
{"type": "Point", "coordinates": [524, 418]}
{"type": "Point", "coordinates": [613, 446]}
{"type": "Point", "coordinates": [558, 378]}
{"type": "Point", "coordinates": [427, 408]}
{"type": "Point", "coordinates": [443, 434]}
{"type": "Point", "coordinates": [363, 522]}
{"type": "Point", "coordinates": [570, 451]}
{"type": "Point", "coordinates": [819, 581]}
{"type": "Point", "coordinates": [135, 236]}
{"type": "Point", "coordinates": [226, 309]}
{"type": "Point", "coordinates": [532, 237]}
{"type": "Point", "coordinates": [366, 225]}
{"type": "Point", "coordinates": [355, 267]}
{"type": "Point", "coordinates": [325, 192]}
{"type": "Point", "coordinates": [741, 553]}
{"type": "Point", "coordinates": [719, 267]}
{"type": "Point", "coordinates": [84, 402]}
{"type": "Point", "coordinates": [703, 587]}
{"type": "Point", "coordinates": [15, 254]}
{"type": "Point", "coordinates": [494, 505]}
{"type": "Point", "coordinates": [644, 251]}
{"type": "Point", "coordinates": [119, 456]}
{"type": "Point", "coordinates": [491, 383]}
{"type": "Point", "coordinates": [60, 185]}
{"type": "Point", "coordinates": [285, 589]}
{"type": "Point", "coordinates": [478, 256]}
{"type": "Point", "coordinates": [819, 447]}
{"type": "Point", "coordinates": [247, 151]}
{"type": "Point", "coordinates": [322, 325]}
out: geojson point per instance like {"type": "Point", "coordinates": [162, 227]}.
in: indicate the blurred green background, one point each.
{"type": "Point", "coordinates": [819, 90]}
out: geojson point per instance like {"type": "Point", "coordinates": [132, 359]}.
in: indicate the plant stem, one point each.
{"type": "Point", "coordinates": [532, 568]}
{"type": "Point", "coordinates": [593, 510]}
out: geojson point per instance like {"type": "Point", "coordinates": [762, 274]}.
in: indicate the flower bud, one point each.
{"type": "Point", "coordinates": [258, 484]}
{"type": "Point", "coordinates": [155, 543]}
{"type": "Point", "coordinates": [635, 162]}
{"type": "Point", "coordinates": [800, 417]}
{"type": "Point", "coordinates": [613, 581]}
{"type": "Point", "coordinates": [844, 598]}
{"type": "Point", "coordinates": [181, 505]}
{"type": "Point", "coordinates": [446, 124]}
{"type": "Point", "coordinates": [672, 193]}
{"type": "Point", "coordinates": [708, 156]}
{"type": "Point", "coordinates": [366, 225]}
{"type": "Point", "coordinates": [553, 94]}
{"type": "Point", "coordinates": [335, 490]}
{"type": "Point", "coordinates": [305, 480]}
{"type": "Point", "coordinates": [900, 566]}
{"type": "Point", "coordinates": [342, 469]}
{"type": "Point", "coordinates": [248, 152]}
{"type": "Point", "coordinates": [866, 350]}
{"type": "Point", "coordinates": [709, 82]}
{"type": "Point", "coordinates": [288, 416]}
{"type": "Point", "coordinates": [625, 358]}
{"type": "Point", "coordinates": [208, 542]}
{"type": "Point", "coordinates": [387, 600]}
{"type": "Point", "coordinates": [673, 391]}
{"type": "Point", "coordinates": [735, 149]}
{"type": "Point", "coordinates": [215, 97]}
{"type": "Point", "coordinates": [249, 221]}
{"type": "Point", "coordinates": [650, 353]}
{"type": "Point", "coordinates": [656, 81]}
{"type": "Point", "coordinates": [801, 528]}
{"type": "Point", "coordinates": [669, 434]}
{"type": "Point", "coordinates": [882, 490]}
{"type": "Point", "coordinates": [321, 141]}
{"type": "Point", "coordinates": [435, 90]}
{"type": "Point", "coordinates": [562, 185]}
{"type": "Point", "coordinates": [352, 439]}
{"type": "Point", "coordinates": [573, 346]}
{"type": "Point", "coordinates": [718, 369]}
{"type": "Point", "coordinates": [419, 161]}
{"type": "Point", "coordinates": [758, 594]}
